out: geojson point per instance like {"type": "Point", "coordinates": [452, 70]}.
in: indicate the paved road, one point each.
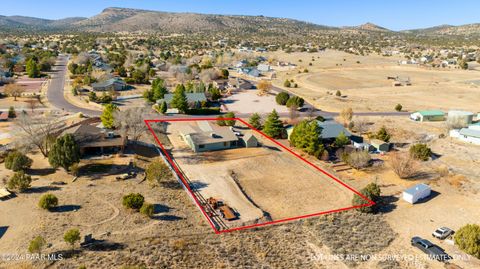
{"type": "Point", "coordinates": [55, 93]}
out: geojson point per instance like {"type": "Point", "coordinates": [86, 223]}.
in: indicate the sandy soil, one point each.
{"type": "Point", "coordinates": [248, 101]}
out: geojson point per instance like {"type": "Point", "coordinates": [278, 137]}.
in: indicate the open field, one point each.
{"type": "Point", "coordinates": [364, 86]}
{"type": "Point", "coordinates": [248, 101]}
{"type": "Point", "coordinates": [266, 179]}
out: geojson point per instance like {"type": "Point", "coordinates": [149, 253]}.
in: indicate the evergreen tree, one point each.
{"type": "Point", "coordinates": [107, 115]}
{"type": "Point", "coordinates": [17, 161]}
{"type": "Point", "coordinates": [163, 107]}
{"type": "Point", "coordinates": [273, 126]}
{"type": "Point", "coordinates": [230, 115]}
{"type": "Point", "coordinates": [255, 121]}
{"type": "Point", "coordinates": [32, 68]}
{"type": "Point", "coordinates": [64, 153]}
{"type": "Point", "coordinates": [11, 112]}
{"type": "Point", "coordinates": [306, 136]}
{"type": "Point", "coordinates": [383, 135]}
{"type": "Point", "coordinates": [158, 88]}
{"type": "Point", "coordinates": [372, 192]}
{"type": "Point", "coordinates": [341, 140]}
{"type": "Point", "coordinates": [282, 98]}
{"type": "Point", "coordinates": [179, 100]}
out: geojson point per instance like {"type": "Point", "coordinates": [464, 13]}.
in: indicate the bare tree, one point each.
{"type": "Point", "coordinates": [346, 114]}
{"type": "Point", "coordinates": [32, 103]}
{"type": "Point", "coordinates": [404, 165]}
{"type": "Point", "coordinates": [130, 122]}
{"type": "Point", "coordinates": [361, 126]}
{"type": "Point", "coordinates": [14, 90]}
{"type": "Point", "coordinates": [264, 87]}
{"type": "Point", "coordinates": [38, 131]}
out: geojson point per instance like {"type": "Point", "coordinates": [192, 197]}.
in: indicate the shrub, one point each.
{"type": "Point", "coordinates": [295, 101]}
{"type": "Point", "coordinates": [372, 192]}
{"type": "Point", "coordinates": [71, 237]}
{"type": "Point", "coordinates": [398, 107]}
{"type": "Point", "coordinates": [11, 112]}
{"type": "Point", "coordinates": [357, 159]}
{"type": "Point", "coordinates": [287, 83]}
{"type": "Point", "coordinates": [341, 140]}
{"type": "Point", "coordinates": [36, 245]}
{"type": "Point", "coordinates": [468, 239]}
{"type": "Point", "coordinates": [48, 201]}
{"type": "Point", "coordinates": [157, 172]}
{"type": "Point", "coordinates": [221, 121]}
{"type": "Point", "coordinates": [147, 209]}
{"type": "Point", "coordinates": [420, 152]}
{"type": "Point", "coordinates": [74, 169]}
{"type": "Point", "coordinates": [19, 182]}
{"type": "Point", "coordinates": [403, 165]}
{"type": "Point", "coordinates": [338, 93]}
{"type": "Point", "coordinates": [382, 134]}
{"type": "Point", "coordinates": [230, 115]}
{"type": "Point", "coordinates": [133, 201]}
{"type": "Point", "coordinates": [17, 161]}
{"type": "Point", "coordinates": [282, 98]}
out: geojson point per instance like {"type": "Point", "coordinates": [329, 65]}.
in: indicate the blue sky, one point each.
{"type": "Point", "coordinates": [395, 15]}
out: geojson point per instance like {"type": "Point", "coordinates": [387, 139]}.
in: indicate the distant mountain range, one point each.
{"type": "Point", "coordinates": [130, 20]}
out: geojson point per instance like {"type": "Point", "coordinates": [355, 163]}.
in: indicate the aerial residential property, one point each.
{"type": "Point", "coordinates": [240, 134]}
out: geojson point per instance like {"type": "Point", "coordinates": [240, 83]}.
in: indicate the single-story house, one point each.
{"type": "Point", "coordinates": [115, 84]}
{"type": "Point", "coordinates": [205, 136]}
{"type": "Point", "coordinates": [264, 68]}
{"type": "Point", "coordinates": [192, 98]}
{"type": "Point", "coordinates": [240, 84]}
{"type": "Point", "coordinates": [380, 145]}
{"type": "Point", "coordinates": [250, 141]}
{"type": "Point", "coordinates": [469, 135]}
{"type": "Point", "coordinates": [428, 115]}
{"type": "Point", "coordinates": [93, 140]}
{"type": "Point", "coordinates": [249, 71]}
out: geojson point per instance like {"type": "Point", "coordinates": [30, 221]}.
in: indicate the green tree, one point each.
{"type": "Point", "coordinates": [71, 237]}
{"type": "Point", "coordinates": [19, 181]}
{"type": "Point", "coordinates": [107, 116]}
{"type": "Point", "coordinates": [11, 112]}
{"type": "Point", "coordinates": [282, 98]}
{"type": "Point", "coordinates": [273, 126]}
{"type": "Point", "coordinates": [147, 209]}
{"type": "Point", "coordinates": [306, 136]}
{"type": "Point", "coordinates": [48, 201]}
{"type": "Point", "coordinates": [230, 115]}
{"type": "Point", "coordinates": [463, 65]}
{"type": "Point", "coordinates": [36, 245]}
{"type": "Point", "coordinates": [341, 140]}
{"type": "Point", "coordinates": [163, 107]}
{"type": "Point", "coordinates": [32, 68]}
{"type": "Point", "coordinates": [64, 153]}
{"type": "Point", "coordinates": [17, 161]}
{"type": "Point", "coordinates": [221, 121]}
{"type": "Point", "coordinates": [225, 73]}
{"type": "Point", "coordinates": [338, 93]}
{"type": "Point", "coordinates": [398, 107]}
{"type": "Point", "coordinates": [158, 172]}
{"type": "Point", "coordinates": [467, 239]}
{"type": "Point", "coordinates": [158, 89]}
{"type": "Point", "coordinates": [287, 83]}
{"type": "Point", "coordinates": [371, 191]}
{"type": "Point", "coordinates": [133, 201]}
{"type": "Point", "coordinates": [382, 134]}
{"type": "Point", "coordinates": [255, 121]}
{"type": "Point", "coordinates": [179, 100]}
{"type": "Point", "coordinates": [420, 152]}
{"type": "Point", "coordinates": [295, 101]}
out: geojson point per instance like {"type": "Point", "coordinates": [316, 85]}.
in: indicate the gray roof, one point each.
{"type": "Point", "coordinates": [107, 83]}
{"type": "Point", "coordinates": [417, 188]}
{"type": "Point", "coordinates": [331, 129]}
{"type": "Point", "coordinates": [205, 132]}
{"type": "Point", "coordinates": [191, 97]}
{"type": "Point", "coordinates": [470, 132]}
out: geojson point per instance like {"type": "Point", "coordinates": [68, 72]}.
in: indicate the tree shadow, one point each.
{"type": "Point", "coordinates": [65, 208]}
{"type": "Point", "coordinates": [103, 245]}
{"type": "Point", "coordinates": [198, 185]}
{"type": "Point", "coordinates": [98, 169]}
{"type": "Point", "coordinates": [42, 189]}
{"type": "Point", "coordinates": [158, 208]}
{"type": "Point", "coordinates": [167, 218]}
{"type": "Point", "coordinates": [41, 171]}
{"type": "Point", "coordinates": [387, 204]}
{"type": "Point", "coordinates": [173, 185]}
{"type": "Point", "coordinates": [271, 148]}
{"type": "Point", "coordinates": [3, 230]}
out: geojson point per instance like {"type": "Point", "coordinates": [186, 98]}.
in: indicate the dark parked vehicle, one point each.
{"type": "Point", "coordinates": [442, 233]}
{"type": "Point", "coordinates": [433, 251]}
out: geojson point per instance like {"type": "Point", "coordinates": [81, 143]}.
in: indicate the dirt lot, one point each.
{"type": "Point", "coordinates": [275, 180]}
{"type": "Point", "coordinates": [248, 101]}
{"type": "Point", "coordinates": [365, 86]}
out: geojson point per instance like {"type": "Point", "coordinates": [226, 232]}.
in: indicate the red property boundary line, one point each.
{"type": "Point", "coordinates": [177, 170]}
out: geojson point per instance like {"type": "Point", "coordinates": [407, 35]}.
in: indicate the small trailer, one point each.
{"type": "Point", "coordinates": [416, 193]}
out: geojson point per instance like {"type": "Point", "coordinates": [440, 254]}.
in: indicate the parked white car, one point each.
{"type": "Point", "coordinates": [442, 233]}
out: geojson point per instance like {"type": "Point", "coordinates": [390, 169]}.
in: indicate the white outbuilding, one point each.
{"type": "Point", "coordinates": [416, 193]}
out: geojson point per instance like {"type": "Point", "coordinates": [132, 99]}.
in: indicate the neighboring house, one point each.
{"type": "Point", "coordinates": [240, 84]}
{"type": "Point", "coordinates": [241, 63]}
{"type": "Point", "coordinates": [249, 71]}
{"type": "Point", "coordinates": [115, 84]}
{"type": "Point", "coordinates": [192, 98]}
{"type": "Point", "coordinates": [250, 141]}
{"type": "Point", "coordinates": [206, 136]}
{"type": "Point", "coordinates": [380, 145]}
{"type": "Point", "coordinates": [330, 130]}
{"type": "Point", "coordinates": [93, 140]}
{"type": "Point", "coordinates": [469, 135]}
{"type": "Point", "coordinates": [428, 115]}
{"type": "Point", "coordinates": [460, 117]}
{"type": "Point", "coordinates": [264, 68]}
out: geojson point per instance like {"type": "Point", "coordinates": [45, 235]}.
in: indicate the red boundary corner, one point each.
{"type": "Point", "coordinates": [177, 170]}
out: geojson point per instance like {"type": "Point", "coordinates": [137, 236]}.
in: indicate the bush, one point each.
{"type": "Point", "coordinates": [147, 209]}
{"type": "Point", "coordinates": [382, 134]}
{"type": "Point", "coordinates": [338, 93]}
{"type": "Point", "coordinates": [282, 98]}
{"type": "Point", "coordinates": [372, 192]}
{"type": "Point", "coordinates": [158, 172]}
{"type": "Point", "coordinates": [204, 111]}
{"type": "Point", "coordinates": [341, 140]}
{"type": "Point", "coordinates": [48, 201]}
{"type": "Point", "coordinates": [357, 159]}
{"type": "Point", "coordinates": [287, 83]}
{"type": "Point", "coordinates": [71, 237]}
{"type": "Point", "coordinates": [398, 107]}
{"type": "Point", "coordinates": [420, 152]}
{"type": "Point", "coordinates": [36, 245]}
{"type": "Point", "coordinates": [133, 201]}
{"type": "Point", "coordinates": [230, 115]}
{"type": "Point", "coordinates": [467, 239]}
{"type": "Point", "coordinates": [17, 161]}
{"type": "Point", "coordinates": [295, 101]}
{"type": "Point", "coordinates": [403, 165]}
{"type": "Point", "coordinates": [221, 121]}
{"type": "Point", "coordinates": [19, 182]}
